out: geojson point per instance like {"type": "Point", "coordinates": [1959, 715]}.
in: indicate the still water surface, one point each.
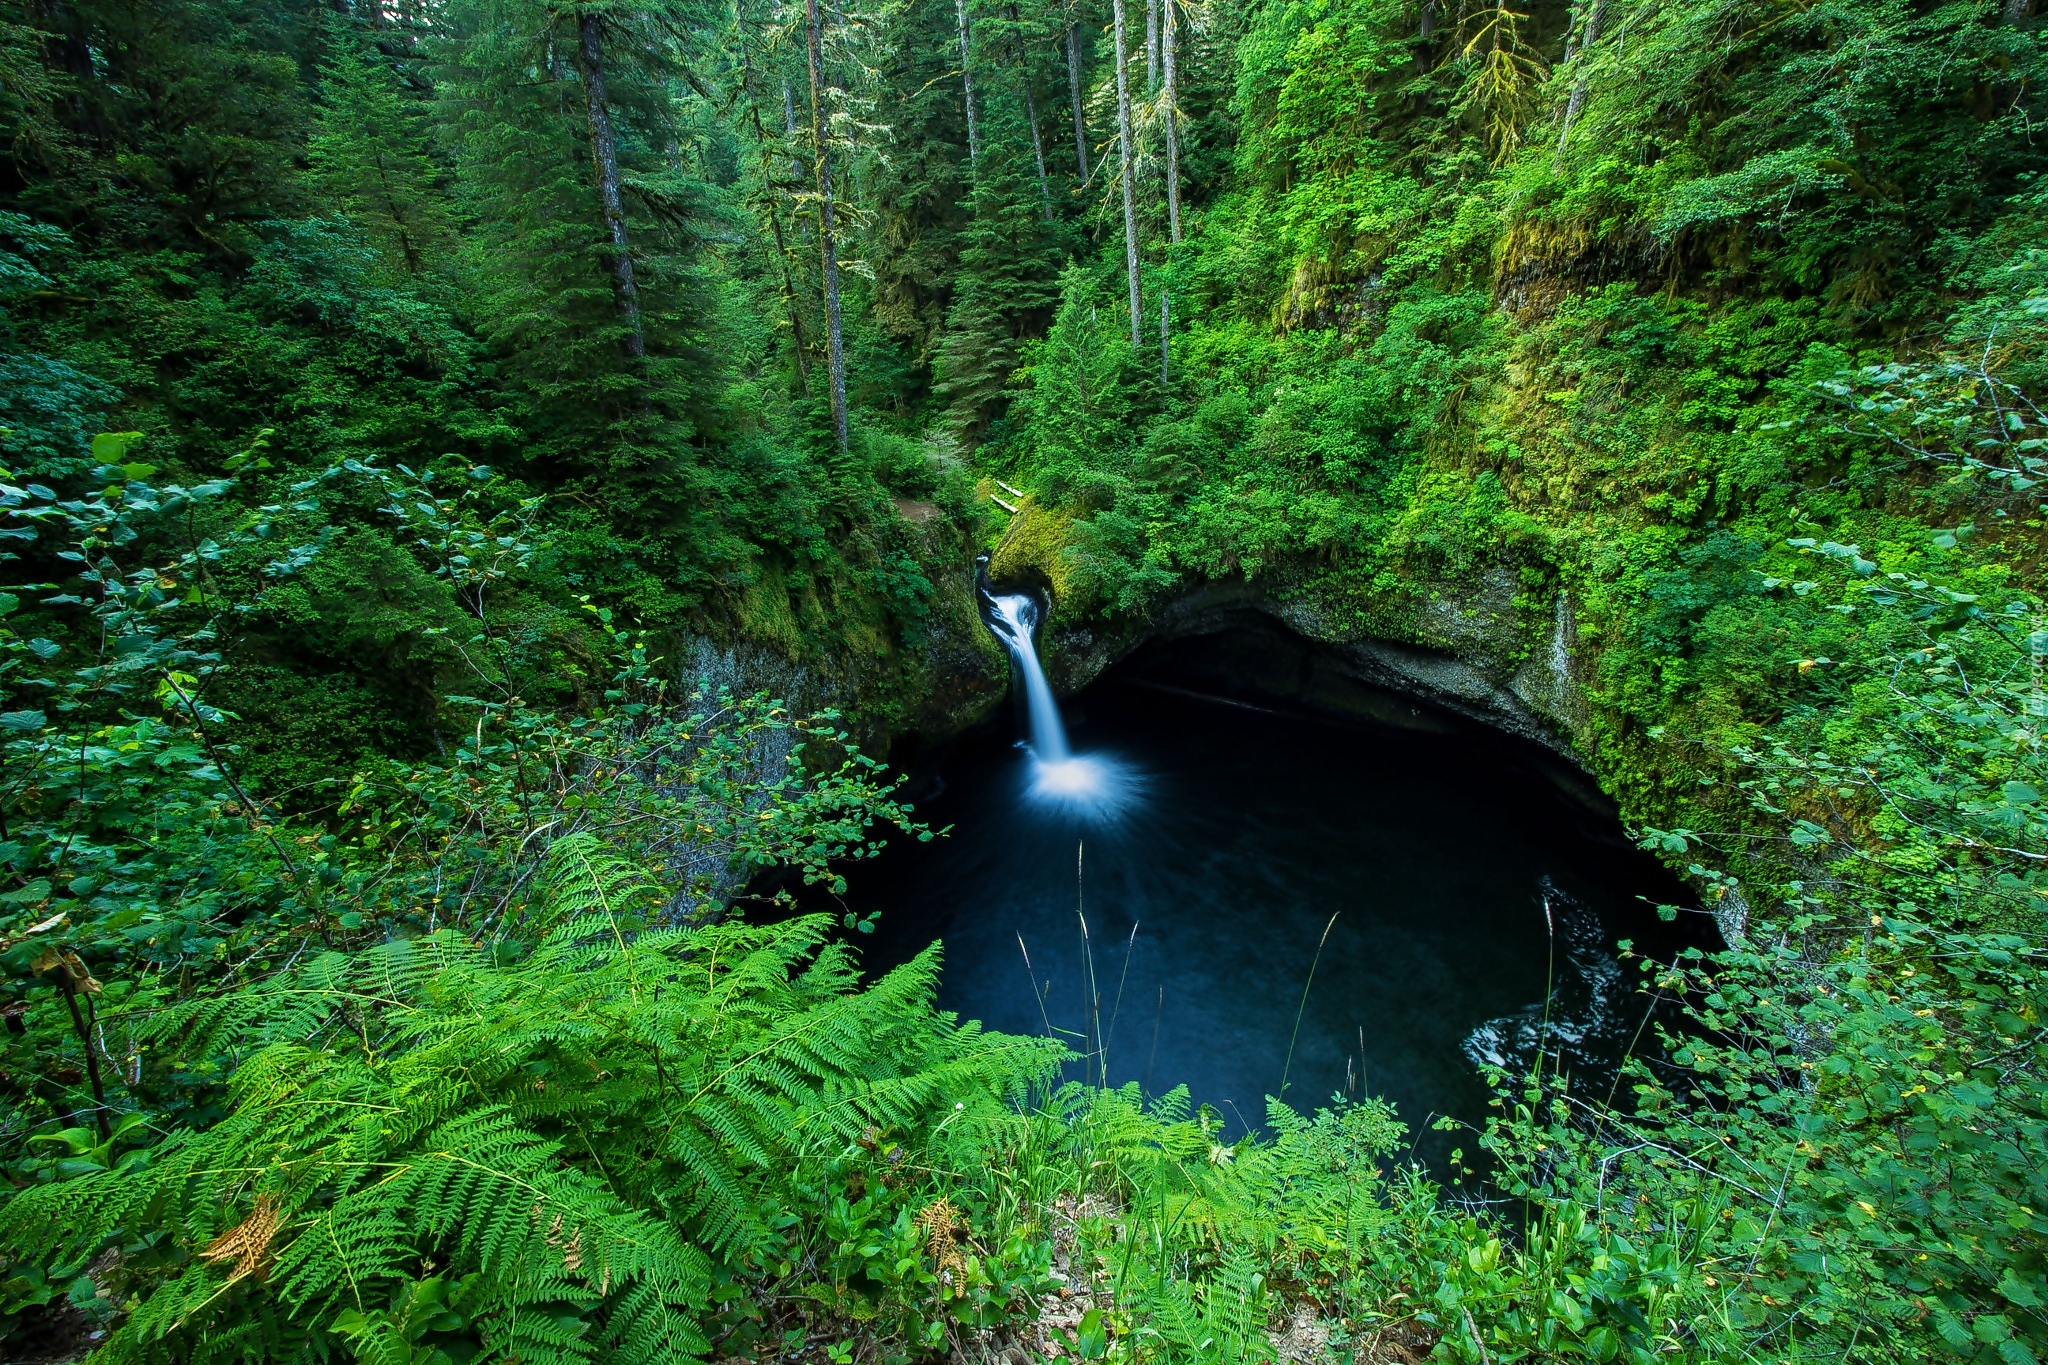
{"type": "Point", "coordinates": [1207, 891]}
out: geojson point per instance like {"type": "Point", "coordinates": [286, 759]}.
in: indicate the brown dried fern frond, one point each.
{"type": "Point", "coordinates": [248, 1243]}
{"type": "Point", "coordinates": [940, 1220]}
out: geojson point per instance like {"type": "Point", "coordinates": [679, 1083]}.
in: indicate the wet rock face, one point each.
{"type": "Point", "coordinates": [938, 681]}
{"type": "Point", "coordinates": [1468, 654]}
{"type": "Point", "coordinates": [1468, 650]}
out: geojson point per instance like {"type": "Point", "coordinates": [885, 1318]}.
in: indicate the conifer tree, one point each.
{"type": "Point", "coordinates": [828, 251]}
{"type": "Point", "coordinates": [1020, 50]}
{"type": "Point", "coordinates": [1007, 284]}
{"type": "Point", "coordinates": [967, 84]}
{"type": "Point", "coordinates": [194, 110]}
{"type": "Point", "coordinates": [921, 194]}
{"type": "Point", "coordinates": [774, 154]}
{"type": "Point", "coordinates": [1127, 163]}
{"type": "Point", "coordinates": [1073, 46]}
{"type": "Point", "coordinates": [368, 152]}
{"type": "Point", "coordinates": [536, 252]}
{"type": "Point", "coordinates": [604, 158]}
{"type": "Point", "coordinates": [1171, 96]}
{"type": "Point", "coordinates": [540, 263]}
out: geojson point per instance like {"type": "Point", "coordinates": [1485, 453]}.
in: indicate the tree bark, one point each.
{"type": "Point", "coordinates": [1165, 348]}
{"type": "Point", "coordinates": [967, 84]}
{"type": "Point", "coordinates": [1151, 46]}
{"type": "Point", "coordinates": [791, 302]}
{"type": "Point", "coordinates": [1578, 96]}
{"type": "Point", "coordinates": [1037, 144]}
{"type": "Point", "coordinates": [798, 344]}
{"type": "Point", "coordinates": [604, 156]}
{"type": "Point", "coordinates": [1170, 31]}
{"type": "Point", "coordinates": [1124, 158]}
{"type": "Point", "coordinates": [835, 346]}
{"type": "Point", "coordinates": [796, 162]}
{"type": "Point", "coordinates": [1074, 89]}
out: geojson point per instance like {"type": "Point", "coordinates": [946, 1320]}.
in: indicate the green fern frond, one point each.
{"type": "Point", "coordinates": [573, 1136]}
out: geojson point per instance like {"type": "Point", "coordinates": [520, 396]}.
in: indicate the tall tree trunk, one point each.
{"type": "Point", "coordinates": [1031, 113]}
{"type": "Point", "coordinates": [1169, 32]}
{"type": "Point", "coordinates": [789, 294]}
{"type": "Point", "coordinates": [1578, 96]}
{"type": "Point", "coordinates": [1165, 348]}
{"type": "Point", "coordinates": [791, 299]}
{"type": "Point", "coordinates": [1124, 158]}
{"type": "Point", "coordinates": [796, 158]}
{"type": "Point", "coordinates": [797, 340]}
{"type": "Point", "coordinates": [967, 84]}
{"type": "Point", "coordinates": [835, 346]}
{"type": "Point", "coordinates": [1074, 89]}
{"type": "Point", "coordinates": [604, 155]}
{"type": "Point", "coordinates": [1037, 143]}
{"type": "Point", "coordinates": [1151, 46]}
{"type": "Point", "coordinates": [796, 162]}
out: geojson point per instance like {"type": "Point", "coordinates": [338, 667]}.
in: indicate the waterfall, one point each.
{"type": "Point", "coordinates": [1095, 786]}
{"type": "Point", "coordinates": [1018, 614]}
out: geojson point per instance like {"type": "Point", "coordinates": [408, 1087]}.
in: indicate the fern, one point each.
{"type": "Point", "coordinates": [576, 1140]}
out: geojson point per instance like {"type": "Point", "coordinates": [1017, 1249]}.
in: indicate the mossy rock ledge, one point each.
{"type": "Point", "coordinates": [1473, 646]}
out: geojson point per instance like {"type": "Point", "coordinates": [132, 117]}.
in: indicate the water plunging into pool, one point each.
{"type": "Point", "coordinates": [1095, 785]}
{"type": "Point", "coordinates": [1456, 907]}
{"type": "Point", "coordinates": [1016, 617]}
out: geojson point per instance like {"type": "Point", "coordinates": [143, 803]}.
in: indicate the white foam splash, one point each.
{"type": "Point", "coordinates": [1585, 1017]}
{"type": "Point", "coordinates": [1095, 786]}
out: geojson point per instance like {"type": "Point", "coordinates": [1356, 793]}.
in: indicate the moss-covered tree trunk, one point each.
{"type": "Point", "coordinates": [1151, 47]}
{"type": "Point", "coordinates": [967, 86]}
{"type": "Point", "coordinates": [828, 254]}
{"type": "Point", "coordinates": [1125, 161]}
{"type": "Point", "coordinates": [1578, 95]}
{"type": "Point", "coordinates": [1169, 32]}
{"type": "Point", "coordinates": [1074, 90]}
{"type": "Point", "coordinates": [604, 158]}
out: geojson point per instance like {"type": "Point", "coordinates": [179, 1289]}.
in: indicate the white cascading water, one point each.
{"type": "Point", "coordinates": [1096, 785]}
{"type": "Point", "coordinates": [1018, 614]}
